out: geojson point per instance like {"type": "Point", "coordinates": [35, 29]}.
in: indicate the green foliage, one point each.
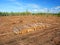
{"type": "Point", "coordinates": [58, 14]}
{"type": "Point", "coordinates": [4, 13]}
{"type": "Point", "coordinates": [27, 13]}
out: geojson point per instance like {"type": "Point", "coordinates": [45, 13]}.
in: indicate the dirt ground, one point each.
{"type": "Point", "coordinates": [47, 36]}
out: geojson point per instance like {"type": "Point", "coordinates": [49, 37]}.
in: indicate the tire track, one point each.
{"type": "Point", "coordinates": [32, 35]}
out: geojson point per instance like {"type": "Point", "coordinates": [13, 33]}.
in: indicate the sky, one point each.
{"type": "Point", "coordinates": [52, 6]}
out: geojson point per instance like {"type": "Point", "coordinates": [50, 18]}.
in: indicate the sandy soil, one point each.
{"type": "Point", "coordinates": [42, 36]}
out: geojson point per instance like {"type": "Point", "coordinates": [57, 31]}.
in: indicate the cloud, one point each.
{"type": "Point", "coordinates": [57, 7]}
{"type": "Point", "coordinates": [24, 6]}
{"type": "Point", "coordinates": [49, 10]}
{"type": "Point", "coordinates": [27, 5]}
{"type": "Point", "coordinates": [32, 7]}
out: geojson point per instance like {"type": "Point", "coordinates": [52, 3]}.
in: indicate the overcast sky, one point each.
{"type": "Point", "coordinates": [30, 5]}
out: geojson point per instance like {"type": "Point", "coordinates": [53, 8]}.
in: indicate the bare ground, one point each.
{"type": "Point", "coordinates": [44, 36]}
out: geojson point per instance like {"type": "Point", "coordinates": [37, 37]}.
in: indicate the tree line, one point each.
{"type": "Point", "coordinates": [26, 13]}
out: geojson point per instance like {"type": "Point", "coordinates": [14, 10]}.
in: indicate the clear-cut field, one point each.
{"type": "Point", "coordinates": [36, 30]}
